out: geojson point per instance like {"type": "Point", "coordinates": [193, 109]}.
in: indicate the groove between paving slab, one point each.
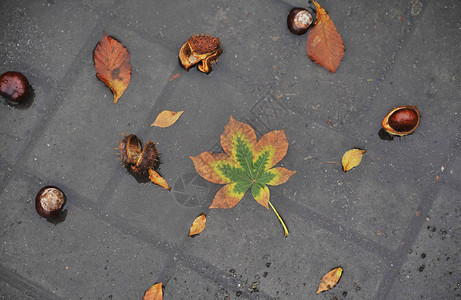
{"type": "Point", "coordinates": [416, 225]}
{"type": "Point", "coordinates": [328, 224]}
{"type": "Point", "coordinates": [200, 266]}
{"type": "Point", "coordinates": [24, 285]}
{"type": "Point", "coordinates": [53, 108]}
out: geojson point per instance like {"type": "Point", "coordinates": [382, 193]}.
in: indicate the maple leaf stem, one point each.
{"type": "Point", "coordinates": [285, 229]}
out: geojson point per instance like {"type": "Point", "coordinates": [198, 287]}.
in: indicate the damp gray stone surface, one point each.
{"type": "Point", "coordinates": [392, 223]}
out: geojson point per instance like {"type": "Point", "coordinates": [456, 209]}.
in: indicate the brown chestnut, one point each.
{"type": "Point", "coordinates": [14, 86]}
{"type": "Point", "coordinates": [402, 120]}
{"type": "Point", "coordinates": [300, 20]}
{"type": "Point", "coordinates": [50, 201]}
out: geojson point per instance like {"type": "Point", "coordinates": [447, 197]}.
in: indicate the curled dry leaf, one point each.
{"type": "Point", "coordinates": [157, 179]}
{"type": "Point", "coordinates": [166, 118]}
{"type": "Point", "coordinates": [155, 292]}
{"type": "Point", "coordinates": [324, 44]}
{"type": "Point", "coordinates": [352, 158]}
{"type": "Point", "coordinates": [330, 280]}
{"type": "Point", "coordinates": [198, 225]}
{"type": "Point", "coordinates": [113, 65]}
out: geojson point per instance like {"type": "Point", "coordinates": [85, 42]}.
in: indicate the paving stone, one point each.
{"type": "Point", "coordinates": [371, 33]}
{"type": "Point", "coordinates": [432, 267]}
{"type": "Point", "coordinates": [83, 251]}
{"type": "Point", "coordinates": [431, 85]}
{"type": "Point", "coordinates": [121, 236]}
{"type": "Point", "coordinates": [18, 123]}
{"type": "Point", "coordinates": [239, 240]}
{"type": "Point", "coordinates": [88, 125]}
{"type": "Point", "coordinates": [9, 292]}
{"type": "Point", "coordinates": [151, 208]}
{"type": "Point", "coordinates": [47, 37]}
{"type": "Point", "coordinates": [198, 129]}
{"type": "Point", "coordinates": [188, 284]}
{"type": "Point", "coordinates": [453, 171]}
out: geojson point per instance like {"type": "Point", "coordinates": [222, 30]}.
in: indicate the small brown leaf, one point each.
{"type": "Point", "coordinates": [198, 225]}
{"type": "Point", "coordinates": [324, 44]}
{"type": "Point", "coordinates": [113, 65]}
{"type": "Point", "coordinates": [155, 292]}
{"type": "Point", "coordinates": [166, 118]}
{"type": "Point", "coordinates": [330, 280]}
{"type": "Point", "coordinates": [174, 77]}
{"type": "Point", "coordinates": [157, 179]}
{"type": "Point", "coordinates": [352, 158]}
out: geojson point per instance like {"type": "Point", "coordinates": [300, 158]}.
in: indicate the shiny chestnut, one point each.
{"type": "Point", "coordinates": [300, 20]}
{"type": "Point", "coordinates": [402, 120]}
{"type": "Point", "coordinates": [50, 201]}
{"type": "Point", "coordinates": [14, 86]}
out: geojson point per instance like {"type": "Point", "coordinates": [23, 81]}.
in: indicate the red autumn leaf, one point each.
{"type": "Point", "coordinates": [324, 44]}
{"type": "Point", "coordinates": [113, 65]}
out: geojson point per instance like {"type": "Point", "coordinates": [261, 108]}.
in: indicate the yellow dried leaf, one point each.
{"type": "Point", "coordinates": [352, 158]}
{"type": "Point", "coordinates": [157, 179]}
{"type": "Point", "coordinates": [198, 225]}
{"type": "Point", "coordinates": [154, 292]}
{"type": "Point", "coordinates": [330, 280]}
{"type": "Point", "coordinates": [166, 118]}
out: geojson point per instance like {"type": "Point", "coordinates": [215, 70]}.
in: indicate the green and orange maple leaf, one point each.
{"type": "Point", "coordinates": [246, 163]}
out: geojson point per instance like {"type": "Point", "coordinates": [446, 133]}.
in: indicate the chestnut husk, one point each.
{"type": "Point", "coordinates": [15, 87]}
{"type": "Point", "coordinates": [50, 201]}
{"type": "Point", "coordinates": [130, 149]}
{"type": "Point", "coordinates": [149, 159]}
{"type": "Point", "coordinates": [402, 120]}
{"type": "Point", "coordinates": [201, 50]}
{"type": "Point", "coordinates": [137, 159]}
{"type": "Point", "coordinates": [300, 20]}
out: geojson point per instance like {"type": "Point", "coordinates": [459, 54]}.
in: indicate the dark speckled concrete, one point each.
{"type": "Point", "coordinates": [393, 223]}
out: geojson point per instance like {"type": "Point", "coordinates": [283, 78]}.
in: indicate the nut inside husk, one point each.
{"type": "Point", "coordinates": [402, 120]}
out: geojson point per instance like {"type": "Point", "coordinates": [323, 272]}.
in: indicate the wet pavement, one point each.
{"type": "Point", "coordinates": [392, 223]}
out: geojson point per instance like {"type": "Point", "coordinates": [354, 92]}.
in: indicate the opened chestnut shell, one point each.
{"type": "Point", "coordinates": [402, 120]}
{"type": "Point", "coordinates": [149, 159]}
{"type": "Point", "coordinates": [50, 201]}
{"type": "Point", "coordinates": [201, 50]}
{"type": "Point", "coordinates": [14, 86]}
{"type": "Point", "coordinates": [137, 159]}
{"type": "Point", "coordinates": [300, 20]}
{"type": "Point", "coordinates": [130, 149]}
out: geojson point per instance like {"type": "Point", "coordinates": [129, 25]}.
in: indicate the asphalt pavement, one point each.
{"type": "Point", "coordinates": [392, 223]}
